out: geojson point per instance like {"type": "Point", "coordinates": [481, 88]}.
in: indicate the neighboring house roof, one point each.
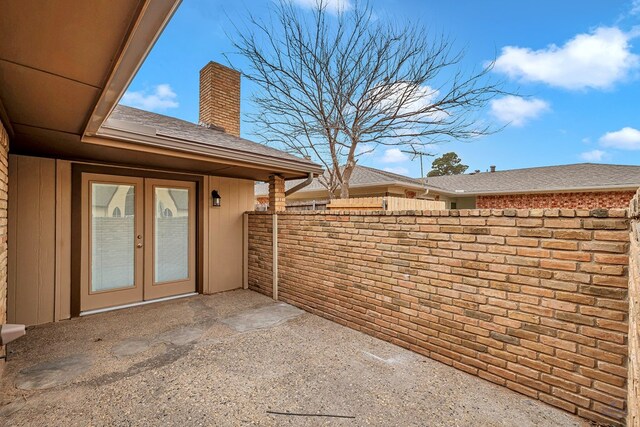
{"type": "Point", "coordinates": [362, 176]}
{"type": "Point", "coordinates": [180, 198]}
{"type": "Point", "coordinates": [575, 177]}
{"type": "Point", "coordinates": [187, 131]}
{"type": "Point", "coordinates": [102, 194]}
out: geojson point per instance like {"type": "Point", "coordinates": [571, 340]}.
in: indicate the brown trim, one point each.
{"type": "Point", "coordinates": [184, 148]}
{"type": "Point", "coordinates": [76, 218]}
{"type": "Point", "coordinates": [202, 256]}
{"type": "Point", "coordinates": [63, 235]}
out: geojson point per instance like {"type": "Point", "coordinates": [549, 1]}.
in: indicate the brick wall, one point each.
{"type": "Point", "coordinates": [260, 254]}
{"type": "Point", "coordinates": [533, 300]}
{"type": "Point", "coordinates": [4, 185]}
{"type": "Point", "coordinates": [633, 397]}
{"type": "Point", "coordinates": [584, 200]}
{"type": "Point", "coordinates": [220, 98]}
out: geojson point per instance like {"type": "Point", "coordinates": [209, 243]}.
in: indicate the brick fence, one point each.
{"type": "Point", "coordinates": [534, 300]}
{"type": "Point", "coordinates": [633, 419]}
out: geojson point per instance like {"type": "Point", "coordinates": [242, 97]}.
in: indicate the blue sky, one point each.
{"type": "Point", "coordinates": [576, 61]}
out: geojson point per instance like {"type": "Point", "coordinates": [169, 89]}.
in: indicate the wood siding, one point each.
{"type": "Point", "coordinates": [32, 200]}
{"type": "Point", "coordinates": [226, 251]}
{"type": "Point", "coordinates": [39, 288]}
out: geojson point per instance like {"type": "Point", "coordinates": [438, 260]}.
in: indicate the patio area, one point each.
{"type": "Point", "coordinates": [233, 359]}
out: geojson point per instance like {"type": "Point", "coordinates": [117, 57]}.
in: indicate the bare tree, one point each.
{"type": "Point", "coordinates": [333, 87]}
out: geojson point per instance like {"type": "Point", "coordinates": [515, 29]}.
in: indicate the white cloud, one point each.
{"type": "Point", "coordinates": [517, 110]}
{"type": "Point", "coordinates": [160, 98]}
{"type": "Point", "coordinates": [394, 155]}
{"type": "Point", "coordinates": [398, 169]}
{"type": "Point", "coordinates": [595, 60]}
{"type": "Point", "coordinates": [333, 6]}
{"type": "Point", "coordinates": [593, 155]}
{"type": "Point", "coordinates": [626, 138]}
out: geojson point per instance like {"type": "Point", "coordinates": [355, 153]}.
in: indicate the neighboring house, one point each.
{"type": "Point", "coordinates": [365, 182]}
{"type": "Point", "coordinates": [583, 185]}
{"type": "Point", "coordinates": [110, 205]}
{"type": "Point", "coordinates": [578, 186]}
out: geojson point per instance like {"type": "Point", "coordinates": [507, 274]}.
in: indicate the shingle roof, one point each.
{"type": "Point", "coordinates": [360, 177]}
{"type": "Point", "coordinates": [181, 129]}
{"type": "Point", "coordinates": [581, 176]}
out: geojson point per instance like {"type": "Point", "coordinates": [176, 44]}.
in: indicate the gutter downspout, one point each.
{"type": "Point", "coordinates": [300, 186]}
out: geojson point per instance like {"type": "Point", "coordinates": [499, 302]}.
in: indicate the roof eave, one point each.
{"type": "Point", "coordinates": [144, 137]}
{"type": "Point", "coordinates": [152, 20]}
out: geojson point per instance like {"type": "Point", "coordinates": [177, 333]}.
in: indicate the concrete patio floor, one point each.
{"type": "Point", "coordinates": [230, 358]}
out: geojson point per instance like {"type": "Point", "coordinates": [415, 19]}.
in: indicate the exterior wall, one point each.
{"type": "Point", "coordinates": [585, 200]}
{"type": "Point", "coordinates": [220, 97]}
{"type": "Point", "coordinates": [225, 233]}
{"type": "Point", "coordinates": [633, 396]}
{"type": "Point", "coordinates": [32, 198]}
{"type": "Point", "coordinates": [4, 187]}
{"type": "Point", "coordinates": [40, 234]}
{"type": "Point", "coordinates": [534, 300]}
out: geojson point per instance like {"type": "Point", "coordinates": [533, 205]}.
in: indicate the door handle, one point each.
{"type": "Point", "coordinates": [139, 245]}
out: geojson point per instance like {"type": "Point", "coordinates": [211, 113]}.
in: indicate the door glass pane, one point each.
{"type": "Point", "coordinates": [112, 236]}
{"type": "Point", "coordinates": [171, 234]}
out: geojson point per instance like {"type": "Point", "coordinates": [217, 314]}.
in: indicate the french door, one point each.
{"type": "Point", "coordinates": [138, 240]}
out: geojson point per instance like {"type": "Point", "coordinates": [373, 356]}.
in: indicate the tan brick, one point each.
{"type": "Point", "coordinates": [560, 244]}
{"type": "Point", "coordinates": [558, 265]}
{"type": "Point", "coordinates": [618, 247]}
{"type": "Point", "coordinates": [571, 397]}
{"type": "Point", "coordinates": [522, 241]}
{"type": "Point", "coordinates": [563, 223]}
{"type": "Point", "coordinates": [559, 403]}
{"type": "Point", "coordinates": [572, 234]}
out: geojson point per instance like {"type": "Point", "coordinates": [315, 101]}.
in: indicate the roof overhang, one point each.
{"type": "Point", "coordinates": [65, 64]}
{"type": "Point", "coordinates": [205, 158]}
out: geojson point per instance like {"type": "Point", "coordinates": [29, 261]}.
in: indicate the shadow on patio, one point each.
{"type": "Point", "coordinates": [230, 358]}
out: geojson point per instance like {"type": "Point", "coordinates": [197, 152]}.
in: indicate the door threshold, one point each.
{"type": "Point", "coordinates": [135, 304]}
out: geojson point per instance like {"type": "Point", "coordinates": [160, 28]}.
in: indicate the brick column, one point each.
{"type": "Point", "coordinates": [276, 194]}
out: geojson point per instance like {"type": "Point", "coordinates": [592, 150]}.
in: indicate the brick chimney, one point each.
{"type": "Point", "coordinates": [220, 98]}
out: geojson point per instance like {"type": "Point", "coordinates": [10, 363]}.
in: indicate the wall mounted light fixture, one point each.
{"type": "Point", "coordinates": [215, 199]}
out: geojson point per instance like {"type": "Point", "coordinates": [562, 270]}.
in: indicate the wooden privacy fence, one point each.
{"type": "Point", "coordinates": [384, 204]}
